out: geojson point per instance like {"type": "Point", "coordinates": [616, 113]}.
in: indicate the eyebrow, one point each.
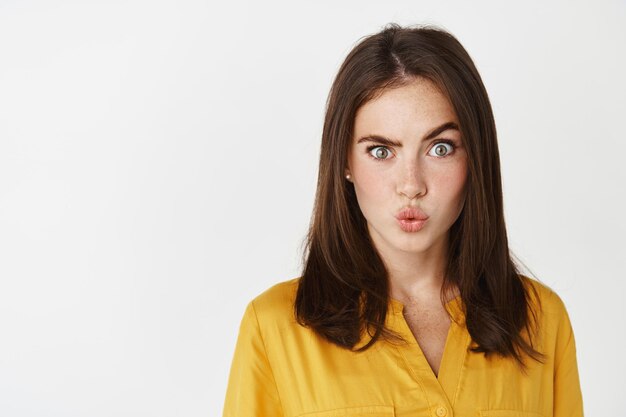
{"type": "Point", "coordinates": [389, 142]}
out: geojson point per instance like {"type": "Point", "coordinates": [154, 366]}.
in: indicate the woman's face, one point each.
{"type": "Point", "coordinates": [407, 152]}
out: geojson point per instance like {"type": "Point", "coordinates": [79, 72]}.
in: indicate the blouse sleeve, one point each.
{"type": "Point", "coordinates": [568, 400]}
{"type": "Point", "coordinates": [251, 389]}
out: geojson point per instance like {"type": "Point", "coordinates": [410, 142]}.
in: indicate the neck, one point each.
{"type": "Point", "coordinates": [416, 276]}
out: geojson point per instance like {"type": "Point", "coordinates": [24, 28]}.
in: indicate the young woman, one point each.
{"type": "Point", "coordinates": [409, 303]}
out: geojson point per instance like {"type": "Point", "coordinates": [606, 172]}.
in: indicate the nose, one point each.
{"type": "Point", "coordinates": [411, 182]}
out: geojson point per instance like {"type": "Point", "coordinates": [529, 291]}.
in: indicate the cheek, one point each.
{"type": "Point", "coordinates": [454, 184]}
{"type": "Point", "coordinates": [371, 188]}
{"type": "Point", "coordinates": [458, 180]}
{"type": "Point", "coordinates": [450, 183]}
{"type": "Point", "coordinates": [369, 184]}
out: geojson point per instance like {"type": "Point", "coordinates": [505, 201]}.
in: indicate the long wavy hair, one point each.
{"type": "Point", "coordinates": [343, 289]}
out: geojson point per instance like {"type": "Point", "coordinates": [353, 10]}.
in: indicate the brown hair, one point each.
{"type": "Point", "coordinates": [343, 288]}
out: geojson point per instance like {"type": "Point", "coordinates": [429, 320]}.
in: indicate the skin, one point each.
{"type": "Point", "coordinates": [417, 174]}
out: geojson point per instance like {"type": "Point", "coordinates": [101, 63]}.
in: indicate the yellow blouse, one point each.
{"type": "Point", "coordinates": [280, 368]}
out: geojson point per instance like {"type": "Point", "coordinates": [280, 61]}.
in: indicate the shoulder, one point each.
{"type": "Point", "coordinates": [552, 314]}
{"type": "Point", "coordinates": [556, 338]}
{"type": "Point", "coordinates": [548, 301]}
{"type": "Point", "coordinates": [275, 304]}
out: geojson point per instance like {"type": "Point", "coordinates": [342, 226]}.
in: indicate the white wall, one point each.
{"type": "Point", "coordinates": [157, 170]}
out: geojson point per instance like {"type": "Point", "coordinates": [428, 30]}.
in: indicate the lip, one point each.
{"type": "Point", "coordinates": [411, 213]}
{"type": "Point", "coordinates": [411, 219]}
{"type": "Point", "coordinates": [411, 225]}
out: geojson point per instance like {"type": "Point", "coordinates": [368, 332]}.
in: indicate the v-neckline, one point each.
{"type": "Point", "coordinates": [454, 352]}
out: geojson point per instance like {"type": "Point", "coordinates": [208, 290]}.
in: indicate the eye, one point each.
{"type": "Point", "coordinates": [380, 152]}
{"type": "Point", "coordinates": [440, 149]}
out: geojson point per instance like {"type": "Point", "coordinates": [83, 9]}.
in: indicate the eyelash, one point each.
{"type": "Point", "coordinates": [446, 141]}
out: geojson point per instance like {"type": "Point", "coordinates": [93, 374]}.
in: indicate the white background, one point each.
{"type": "Point", "coordinates": [158, 162]}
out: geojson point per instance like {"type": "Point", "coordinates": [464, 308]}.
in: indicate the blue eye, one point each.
{"type": "Point", "coordinates": [439, 148]}
{"type": "Point", "coordinates": [380, 154]}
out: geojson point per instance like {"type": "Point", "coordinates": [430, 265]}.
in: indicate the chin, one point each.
{"type": "Point", "coordinates": [416, 247]}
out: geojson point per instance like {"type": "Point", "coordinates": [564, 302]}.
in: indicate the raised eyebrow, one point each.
{"type": "Point", "coordinates": [390, 142]}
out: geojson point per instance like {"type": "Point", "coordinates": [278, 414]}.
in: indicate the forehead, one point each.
{"type": "Point", "coordinates": [405, 111]}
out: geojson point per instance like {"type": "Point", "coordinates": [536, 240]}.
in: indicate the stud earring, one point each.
{"type": "Point", "coordinates": [348, 177]}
